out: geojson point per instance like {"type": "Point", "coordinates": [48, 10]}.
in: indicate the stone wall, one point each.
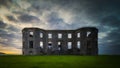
{"type": "Point", "coordinates": [82, 41]}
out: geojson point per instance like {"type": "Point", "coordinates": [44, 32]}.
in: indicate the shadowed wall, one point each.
{"type": "Point", "coordinates": [82, 41]}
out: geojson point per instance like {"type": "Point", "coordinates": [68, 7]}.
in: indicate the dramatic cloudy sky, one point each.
{"type": "Point", "coordinates": [60, 14]}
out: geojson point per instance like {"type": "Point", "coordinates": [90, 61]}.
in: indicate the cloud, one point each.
{"type": "Point", "coordinates": [22, 4]}
{"type": "Point", "coordinates": [9, 34]}
{"type": "Point", "coordinates": [53, 18]}
{"type": "Point", "coordinates": [111, 21]}
{"type": "Point", "coordinates": [12, 28]}
{"type": "Point", "coordinates": [9, 50]}
{"type": "Point", "coordinates": [60, 14]}
{"type": "Point", "coordinates": [15, 42]}
{"type": "Point", "coordinates": [1, 53]}
{"type": "Point", "coordinates": [28, 18]}
{"type": "Point", "coordinates": [2, 24]}
{"type": "Point", "coordinates": [5, 2]}
{"type": "Point", "coordinates": [3, 40]}
{"type": "Point", "coordinates": [11, 18]}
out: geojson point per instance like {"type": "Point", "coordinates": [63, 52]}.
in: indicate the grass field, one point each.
{"type": "Point", "coordinates": [59, 61]}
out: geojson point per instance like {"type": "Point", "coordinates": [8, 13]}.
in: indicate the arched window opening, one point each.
{"type": "Point", "coordinates": [88, 33]}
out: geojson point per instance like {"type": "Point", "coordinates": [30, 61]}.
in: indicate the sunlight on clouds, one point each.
{"type": "Point", "coordinates": [109, 41]}
{"type": "Point", "coordinates": [51, 15]}
{"type": "Point", "coordinates": [3, 40]}
{"type": "Point", "coordinates": [9, 50]}
{"type": "Point", "coordinates": [17, 44]}
{"type": "Point", "coordinates": [67, 16]}
{"type": "Point", "coordinates": [4, 11]}
{"type": "Point", "coordinates": [102, 35]}
{"type": "Point", "coordinates": [23, 4]}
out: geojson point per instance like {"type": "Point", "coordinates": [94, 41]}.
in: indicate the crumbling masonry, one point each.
{"type": "Point", "coordinates": [82, 41]}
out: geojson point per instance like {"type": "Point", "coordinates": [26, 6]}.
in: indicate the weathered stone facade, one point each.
{"type": "Point", "coordinates": [82, 41]}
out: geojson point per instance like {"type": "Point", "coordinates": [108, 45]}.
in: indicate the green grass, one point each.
{"type": "Point", "coordinates": [59, 61]}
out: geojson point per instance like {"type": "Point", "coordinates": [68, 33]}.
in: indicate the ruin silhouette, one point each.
{"type": "Point", "coordinates": [82, 41]}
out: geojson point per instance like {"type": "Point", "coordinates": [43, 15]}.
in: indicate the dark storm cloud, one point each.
{"type": "Point", "coordinates": [39, 6]}
{"type": "Point", "coordinates": [114, 37]}
{"type": "Point", "coordinates": [17, 12]}
{"type": "Point", "coordinates": [5, 2]}
{"type": "Point", "coordinates": [53, 18]}
{"type": "Point", "coordinates": [67, 3]}
{"type": "Point", "coordinates": [2, 31]}
{"type": "Point", "coordinates": [5, 28]}
{"type": "Point", "coordinates": [13, 28]}
{"type": "Point", "coordinates": [56, 22]}
{"type": "Point", "coordinates": [28, 18]}
{"type": "Point", "coordinates": [111, 41]}
{"type": "Point", "coordinates": [98, 9]}
{"type": "Point", "coordinates": [94, 9]}
{"type": "Point", "coordinates": [111, 20]}
{"type": "Point", "coordinates": [104, 13]}
{"type": "Point", "coordinates": [8, 39]}
{"type": "Point", "coordinates": [11, 18]}
{"type": "Point", "coordinates": [2, 24]}
{"type": "Point", "coordinates": [109, 49]}
{"type": "Point", "coordinates": [6, 35]}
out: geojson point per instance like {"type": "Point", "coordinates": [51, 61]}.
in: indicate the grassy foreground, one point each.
{"type": "Point", "coordinates": [59, 61]}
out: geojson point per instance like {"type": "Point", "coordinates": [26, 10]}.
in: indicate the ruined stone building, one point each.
{"type": "Point", "coordinates": [82, 41]}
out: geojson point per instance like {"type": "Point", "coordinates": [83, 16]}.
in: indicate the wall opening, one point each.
{"type": "Point", "coordinates": [31, 34]}
{"type": "Point", "coordinates": [69, 35]}
{"type": "Point", "coordinates": [89, 50]}
{"type": "Point", "coordinates": [30, 44]}
{"type": "Point", "coordinates": [23, 53]}
{"type": "Point", "coordinates": [88, 33]}
{"type": "Point", "coordinates": [59, 46]}
{"type": "Point", "coordinates": [59, 35]}
{"type": "Point", "coordinates": [69, 45]}
{"type": "Point", "coordinates": [54, 42]}
{"type": "Point", "coordinates": [49, 45]}
{"type": "Point", "coordinates": [41, 35]}
{"type": "Point", "coordinates": [49, 35]}
{"type": "Point", "coordinates": [78, 35]}
{"type": "Point", "coordinates": [78, 44]}
{"type": "Point", "coordinates": [41, 44]}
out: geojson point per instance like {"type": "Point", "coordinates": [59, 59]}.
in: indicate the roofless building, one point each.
{"type": "Point", "coordinates": [82, 41]}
